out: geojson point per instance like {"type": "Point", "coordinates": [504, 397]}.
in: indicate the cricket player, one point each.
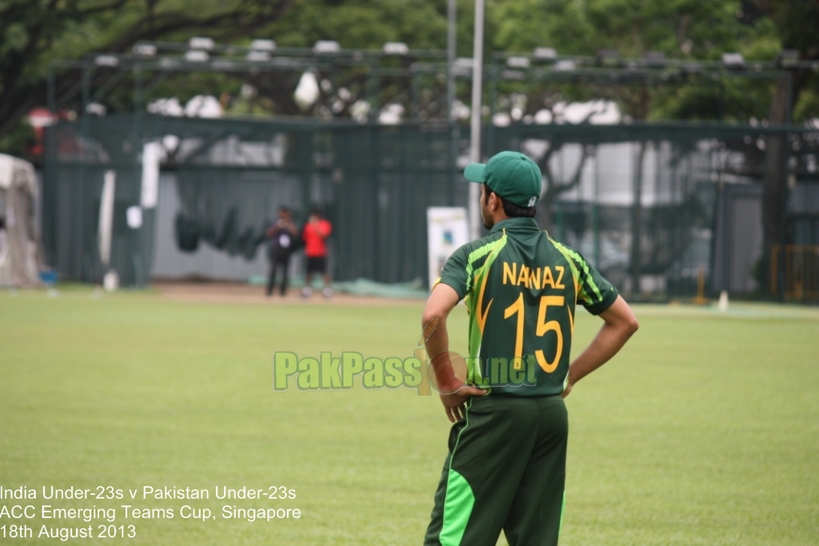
{"type": "Point", "coordinates": [506, 466]}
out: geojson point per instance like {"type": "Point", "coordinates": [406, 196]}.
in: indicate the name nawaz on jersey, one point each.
{"type": "Point", "coordinates": [536, 278]}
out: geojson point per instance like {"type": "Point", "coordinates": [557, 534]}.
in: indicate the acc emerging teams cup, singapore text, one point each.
{"type": "Point", "coordinates": [106, 511]}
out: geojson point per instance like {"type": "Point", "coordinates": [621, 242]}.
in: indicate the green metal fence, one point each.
{"type": "Point", "coordinates": [642, 201]}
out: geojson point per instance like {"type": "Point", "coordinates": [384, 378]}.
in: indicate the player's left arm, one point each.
{"type": "Point", "coordinates": [619, 324]}
{"type": "Point", "coordinates": [454, 392]}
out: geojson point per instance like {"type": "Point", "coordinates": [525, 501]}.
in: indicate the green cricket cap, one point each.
{"type": "Point", "coordinates": [511, 175]}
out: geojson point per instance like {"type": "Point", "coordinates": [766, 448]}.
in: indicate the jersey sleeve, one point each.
{"type": "Point", "coordinates": [595, 293]}
{"type": "Point", "coordinates": [454, 272]}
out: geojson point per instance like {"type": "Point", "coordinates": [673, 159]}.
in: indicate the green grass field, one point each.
{"type": "Point", "coordinates": [703, 431]}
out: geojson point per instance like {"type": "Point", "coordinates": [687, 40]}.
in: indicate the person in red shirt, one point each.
{"type": "Point", "coordinates": [315, 235]}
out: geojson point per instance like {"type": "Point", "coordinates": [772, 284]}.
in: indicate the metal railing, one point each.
{"type": "Point", "coordinates": [795, 270]}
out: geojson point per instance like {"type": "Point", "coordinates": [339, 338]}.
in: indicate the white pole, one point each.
{"type": "Point", "coordinates": [450, 56]}
{"type": "Point", "coordinates": [106, 218]}
{"type": "Point", "coordinates": [475, 143]}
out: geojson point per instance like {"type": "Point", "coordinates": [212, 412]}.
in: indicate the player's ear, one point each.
{"type": "Point", "coordinates": [495, 202]}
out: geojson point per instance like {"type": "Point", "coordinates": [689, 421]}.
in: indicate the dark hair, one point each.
{"type": "Point", "coordinates": [512, 210]}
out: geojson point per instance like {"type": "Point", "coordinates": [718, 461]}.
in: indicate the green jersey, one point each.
{"type": "Point", "coordinates": [521, 289]}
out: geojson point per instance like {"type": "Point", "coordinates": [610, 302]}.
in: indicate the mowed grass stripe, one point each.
{"type": "Point", "coordinates": [705, 430]}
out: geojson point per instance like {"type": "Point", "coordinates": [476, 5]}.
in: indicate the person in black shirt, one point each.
{"type": "Point", "coordinates": [282, 237]}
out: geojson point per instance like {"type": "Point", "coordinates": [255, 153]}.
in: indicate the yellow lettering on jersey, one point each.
{"type": "Point", "coordinates": [534, 279]}
{"type": "Point", "coordinates": [548, 280]}
{"type": "Point", "coordinates": [523, 278]}
{"type": "Point", "coordinates": [510, 273]}
{"type": "Point", "coordinates": [560, 271]}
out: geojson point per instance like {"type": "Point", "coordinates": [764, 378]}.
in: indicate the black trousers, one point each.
{"type": "Point", "coordinates": [278, 260]}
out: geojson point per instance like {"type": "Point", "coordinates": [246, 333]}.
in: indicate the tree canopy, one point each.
{"type": "Point", "coordinates": [36, 32]}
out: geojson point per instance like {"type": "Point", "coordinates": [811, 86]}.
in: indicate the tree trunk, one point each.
{"type": "Point", "coordinates": [775, 188]}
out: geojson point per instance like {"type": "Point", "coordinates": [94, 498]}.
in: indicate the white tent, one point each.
{"type": "Point", "coordinates": [20, 248]}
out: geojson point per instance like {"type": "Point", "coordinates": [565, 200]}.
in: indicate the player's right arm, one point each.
{"type": "Point", "coordinates": [453, 392]}
{"type": "Point", "coordinates": [619, 324]}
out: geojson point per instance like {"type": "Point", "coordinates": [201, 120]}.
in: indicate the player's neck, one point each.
{"type": "Point", "coordinates": [499, 216]}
